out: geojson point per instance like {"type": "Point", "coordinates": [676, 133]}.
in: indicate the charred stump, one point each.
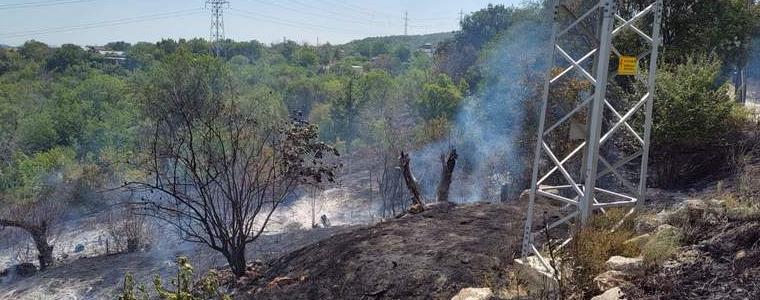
{"type": "Point", "coordinates": [418, 201]}
{"type": "Point", "coordinates": [448, 162]}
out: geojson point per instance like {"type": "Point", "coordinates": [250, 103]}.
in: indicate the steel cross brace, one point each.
{"type": "Point", "coordinates": [581, 206]}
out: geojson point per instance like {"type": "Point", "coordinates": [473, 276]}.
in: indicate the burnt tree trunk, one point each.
{"type": "Point", "coordinates": [418, 201]}
{"type": "Point", "coordinates": [39, 234]}
{"type": "Point", "coordinates": [448, 162]}
{"type": "Point", "coordinates": [236, 258]}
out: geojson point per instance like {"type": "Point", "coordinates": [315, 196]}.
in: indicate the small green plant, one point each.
{"type": "Point", "coordinates": [131, 291]}
{"type": "Point", "coordinates": [660, 247]}
{"type": "Point", "coordinates": [183, 286]}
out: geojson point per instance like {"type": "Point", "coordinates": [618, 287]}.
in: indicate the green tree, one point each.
{"type": "Point", "coordinates": [34, 50]}
{"type": "Point", "coordinates": [693, 115]}
{"type": "Point", "coordinates": [439, 98]}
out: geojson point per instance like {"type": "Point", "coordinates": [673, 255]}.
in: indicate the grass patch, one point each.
{"type": "Point", "coordinates": [595, 243]}
{"type": "Point", "coordinates": [661, 246]}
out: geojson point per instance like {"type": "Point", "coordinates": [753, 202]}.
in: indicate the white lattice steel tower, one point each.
{"type": "Point", "coordinates": [217, 8]}
{"type": "Point", "coordinates": [566, 172]}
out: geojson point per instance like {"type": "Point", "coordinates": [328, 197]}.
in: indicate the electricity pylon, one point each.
{"type": "Point", "coordinates": [217, 8]}
{"type": "Point", "coordinates": [566, 171]}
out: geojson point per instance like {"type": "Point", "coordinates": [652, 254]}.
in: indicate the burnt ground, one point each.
{"type": "Point", "coordinates": [102, 276]}
{"type": "Point", "coordinates": [431, 255]}
{"type": "Point", "coordinates": [725, 265]}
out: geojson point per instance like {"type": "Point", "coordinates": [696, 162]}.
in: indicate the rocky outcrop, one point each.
{"type": "Point", "coordinates": [610, 279]}
{"type": "Point", "coordinates": [474, 294]}
{"type": "Point", "coordinates": [625, 264]}
{"type": "Point", "coordinates": [611, 294]}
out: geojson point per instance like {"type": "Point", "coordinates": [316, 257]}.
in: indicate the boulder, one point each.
{"type": "Point", "coordinates": [78, 248]}
{"type": "Point", "coordinates": [625, 264]}
{"type": "Point", "coordinates": [647, 223]}
{"type": "Point", "coordinates": [535, 275]}
{"type": "Point", "coordinates": [474, 294]}
{"type": "Point", "coordinates": [696, 208]}
{"type": "Point", "coordinates": [610, 279]}
{"type": "Point", "coordinates": [611, 294]}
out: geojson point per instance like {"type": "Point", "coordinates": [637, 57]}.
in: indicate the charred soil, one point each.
{"type": "Point", "coordinates": [431, 255]}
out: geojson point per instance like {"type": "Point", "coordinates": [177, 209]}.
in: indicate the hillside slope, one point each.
{"type": "Point", "coordinates": [430, 255]}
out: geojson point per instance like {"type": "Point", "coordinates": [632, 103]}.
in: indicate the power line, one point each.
{"type": "Point", "coordinates": [101, 24]}
{"type": "Point", "coordinates": [40, 4]}
{"type": "Point", "coordinates": [369, 12]}
{"type": "Point", "coordinates": [295, 24]}
{"type": "Point", "coordinates": [353, 21]}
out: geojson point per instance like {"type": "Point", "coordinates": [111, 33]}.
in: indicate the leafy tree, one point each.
{"type": "Point", "coordinates": [118, 46]}
{"type": "Point", "coordinates": [306, 57]}
{"type": "Point", "coordinates": [34, 50]}
{"type": "Point", "coordinates": [704, 26]}
{"type": "Point", "coordinates": [439, 98]}
{"type": "Point", "coordinates": [403, 53]}
{"type": "Point", "coordinates": [379, 47]}
{"type": "Point", "coordinates": [65, 57]}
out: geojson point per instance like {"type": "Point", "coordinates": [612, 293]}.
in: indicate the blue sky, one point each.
{"type": "Point", "coordinates": [94, 22]}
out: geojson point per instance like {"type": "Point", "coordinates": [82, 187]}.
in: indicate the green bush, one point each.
{"type": "Point", "coordinates": [695, 121]}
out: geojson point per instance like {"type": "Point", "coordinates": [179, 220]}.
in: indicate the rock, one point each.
{"type": "Point", "coordinates": [647, 223]}
{"type": "Point", "coordinates": [78, 248]}
{"type": "Point", "coordinates": [625, 264]}
{"type": "Point", "coordinates": [611, 294]}
{"type": "Point", "coordinates": [5, 272]}
{"type": "Point", "coordinates": [473, 294]}
{"type": "Point", "coordinates": [610, 279]}
{"type": "Point", "coordinates": [638, 241]}
{"type": "Point", "coordinates": [535, 275]}
{"type": "Point", "coordinates": [696, 208]}
{"type": "Point", "coordinates": [25, 269]}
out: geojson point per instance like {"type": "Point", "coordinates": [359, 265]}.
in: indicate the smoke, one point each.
{"type": "Point", "coordinates": [753, 74]}
{"type": "Point", "coordinates": [489, 127]}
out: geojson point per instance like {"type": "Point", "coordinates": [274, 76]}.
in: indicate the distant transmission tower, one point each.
{"type": "Point", "coordinates": [406, 23]}
{"type": "Point", "coordinates": [217, 23]}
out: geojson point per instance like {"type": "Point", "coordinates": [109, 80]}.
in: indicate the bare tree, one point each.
{"type": "Point", "coordinates": [36, 218]}
{"type": "Point", "coordinates": [217, 170]}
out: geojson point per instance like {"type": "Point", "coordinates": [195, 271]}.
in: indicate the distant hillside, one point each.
{"type": "Point", "coordinates": [393, 42]}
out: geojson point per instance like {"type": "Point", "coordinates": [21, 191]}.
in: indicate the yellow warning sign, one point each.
{"type": "Point", "coordinates": [628, 66]}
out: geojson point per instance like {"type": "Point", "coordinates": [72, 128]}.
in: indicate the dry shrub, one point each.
{"type": "Point", "coordinates": [594, 244]}
{"type": "Point", "coordinates": [128, 229]}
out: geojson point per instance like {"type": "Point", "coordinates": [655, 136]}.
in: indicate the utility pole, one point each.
{"type": "Point", "coordinates": [217, 8]}
{"type": "Point", "coordinates": [461, 16]}
{"type": "Point", "coordinates": [406, 23]}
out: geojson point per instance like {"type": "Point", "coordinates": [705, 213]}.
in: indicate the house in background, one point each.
{"type": "Point", "coordinates": [116, 57]}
